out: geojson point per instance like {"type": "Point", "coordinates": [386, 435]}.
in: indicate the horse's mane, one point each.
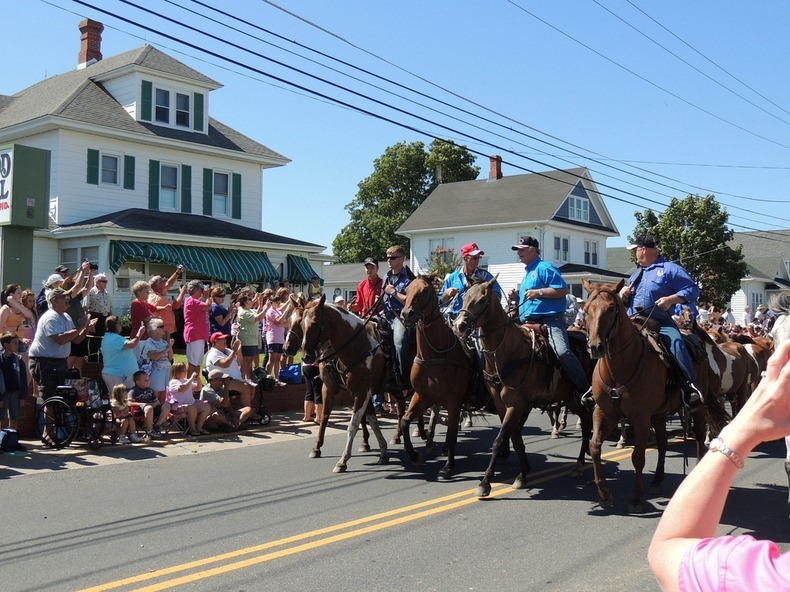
{"type": "Point", "coordinates": [780, 303]}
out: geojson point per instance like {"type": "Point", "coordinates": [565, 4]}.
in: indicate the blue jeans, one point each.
{"type": "Point", "coordinates": [558, 339]}
{"type": "Point", "coordinates": [400, 337]}
{"type": "Point", "coordinates": [670, 335]}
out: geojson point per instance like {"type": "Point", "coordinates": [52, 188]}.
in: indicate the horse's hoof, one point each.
{"type": "Point", "coordinates": [417, 458]}
{"type": "Point", "coordinates": [395, 440]}
{"type": "Point", "coordinates": [430, 446]}
{"type": "Point", "coordinates": [416, 434]}
{"type": "Point", "coordinates": [445, 473]}
{"type": "Point", "coordinates": [655, 489]}
{"type": "Point", "coordinates": [577, 472]}
{"type": "Point", "coordinates": [563, 425]}
{"type": "Point", "coordinates": [520, 483]}
{"type": "Point", "coordinates": [620, 444]}
{"type": "Point", "coordinates": [554, 435]}
{"type": "Point", "coordinates": [468, 423]}
{"type": "Point", "coordinates": [383, 460]}
{"type": "Point", "coordinates": [635, 508]}
{"type": "Point", "coordinates": [483, 490]}
{"type": "Point", "coordinates": [364, 448]}
{"type": "Point", "coordinates": [607, 503]}
{"type": "Point", "coordinates": [339, 468]}
{"type": "Point", "coordinates": [315, 454]}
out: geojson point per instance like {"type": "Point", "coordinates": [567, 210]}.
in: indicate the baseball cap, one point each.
{"type": "Point", "coordinates": [646, 240]}
{"type": "Point", "coordinates": [371, 261]}
{"type": "Point", "coordinates": [526, 241]}
{"type": "Point", "coordinates": [52, 280]}
{"type": "Point", "coordinates": [471, 249]}
{"type": "Point", "coordinates": [62, 269]}
{"type": "Point", "coordinates": [216, 374]}
{"type": "Point", "coordinates": [217, 335]}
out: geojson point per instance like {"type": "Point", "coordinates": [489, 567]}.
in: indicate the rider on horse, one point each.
{"type": "Point", "coordinates": [395, 283]}
{"type": "Point", "coordinates": [541, 298]}
{"type": "Point", "coordinates": [459, 281]}
{"type": "Point", "coordinates": [656, 287]}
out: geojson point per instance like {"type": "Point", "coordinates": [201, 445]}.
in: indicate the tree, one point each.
{"type": "Point", "coordinates": [443, 261]}
{"type": "Point", "coordinates": [402, 178]}
{"type": "Point", "coordinates": [693, 232]}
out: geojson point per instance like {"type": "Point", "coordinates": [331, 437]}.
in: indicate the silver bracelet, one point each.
{"type": "Point", "coordinates": [718, 445]}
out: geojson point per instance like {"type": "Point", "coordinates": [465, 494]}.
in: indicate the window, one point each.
{"type": "Point", "coordinates": [579, 209]}
{"type": "Point", "coordinates": [562, 245]}
{"type": "Point", "coordinates": [757, 300]}
{"type": "Point", "coordinates": [109, 169]}
{"type": "Point", "coordinates": [74, 256]}
{"type": "Point", "coordinates": [444, 246]}
{"type": "Point", "coordinates": [168, 187]}
{"type": "Point", "coordinates": [134, 271]}
{"type": "Point", "coordinates": [162, 106]}
{"type": "Point", "coordinates": [591, 252]}
{"type": "Point", "coordinates": [182, 110]}
{"type": "Point", "coordinates": [219, 203]}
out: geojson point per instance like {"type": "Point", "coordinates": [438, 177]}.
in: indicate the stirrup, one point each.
{"type": "Point", "coordinates": [587, 399]}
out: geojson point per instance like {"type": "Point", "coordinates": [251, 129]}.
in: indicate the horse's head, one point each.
{"type": "Point", "coordinates": [313, 329]}
{"type": "Point", "coordinates": [293, 337]}
{"type": "Point", "coordinates": [421, 299]}
{"type": "Point", "coordinates": [603, 311]}
{"type": "Point", "coordinates": [477, 304]}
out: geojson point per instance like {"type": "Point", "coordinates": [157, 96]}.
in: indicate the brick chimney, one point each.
{"type": "Point", "coordinates": [495, 172]}
{"type": "Point", "coordinates": [90, 43]}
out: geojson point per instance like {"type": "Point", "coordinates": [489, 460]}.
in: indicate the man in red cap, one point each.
{"type": "Point", "coordinates": [367, 299]}
{"type": "Point", "coordinates": [219, 357]}
{"type": "Point", "coordinates": [458, 282]}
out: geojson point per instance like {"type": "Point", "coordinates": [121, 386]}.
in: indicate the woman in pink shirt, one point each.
{"type": "Point", "coordinates": [275, 332]}
{"type": "Point", "coordinates": [685, 554]}
{"type": "Point", "coordinates": [196, 326]}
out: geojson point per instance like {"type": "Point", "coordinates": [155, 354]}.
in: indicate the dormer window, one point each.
{"type": "Point", "coordinates": [579, 209]}
{"type": "Point", "coordinates": [171, 107]}
{"type": "Point", "coordinates": [162, 106]}
{"type": "Point", "coordinates": [182, 110]}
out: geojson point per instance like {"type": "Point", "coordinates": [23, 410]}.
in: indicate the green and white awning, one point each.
{"type": "Point", "coordinates": [299, 270]}
{"type": "Point", "coordinates": [229, 265]}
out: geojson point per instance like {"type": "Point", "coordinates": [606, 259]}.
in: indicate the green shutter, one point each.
{"type": "Point", "coordinates": [208, 190]}
{"type": "Point", "coordinates": [186, 189]}
{"type": "Point", "coordinates": [146, 100]}
{"type": "Point", "coordinates": [235, 204]}
{"type": "Point", "coordinates": [153, 184]}
{"type": "Point", "coordinates": [93, 167]}
{"type": "Point", "coordinates": [128, 172]}
{"type": "Point", "coordinates": [198, 115]}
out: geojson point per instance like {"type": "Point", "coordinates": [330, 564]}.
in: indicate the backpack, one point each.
{"type": "Point", "coordinates": [42, 305]}
{"type": "Point", "coordinates": [9, 440]}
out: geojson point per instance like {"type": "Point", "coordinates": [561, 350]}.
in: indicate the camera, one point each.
{"type": "Point", "coordinates": [93, 266]}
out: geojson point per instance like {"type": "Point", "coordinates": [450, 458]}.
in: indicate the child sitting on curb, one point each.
{"type": "Point", "coordinates": [125, 422]}
{"type": "Point", "coordinates": [143, 394]}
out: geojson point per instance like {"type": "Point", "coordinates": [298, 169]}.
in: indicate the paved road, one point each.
{"type": "Point", "coordinates": [253, 513]}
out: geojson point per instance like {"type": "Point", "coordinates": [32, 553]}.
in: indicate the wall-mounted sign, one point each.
{"type": "Point", "coordinates": [6, 181]}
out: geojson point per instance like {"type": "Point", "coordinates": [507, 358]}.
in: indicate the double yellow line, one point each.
{"type": "Point", "coordinates": [327, 536]}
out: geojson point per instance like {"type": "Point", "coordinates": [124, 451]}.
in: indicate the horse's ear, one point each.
{"type": "Point", "coordinates": [619, 286]}
{"type": "Point", "coordinates": [323, 300]}
{"type": "Point", "coordinates": [587, 284]}
{"type": "Point", "coordinates": [294, 300]}
{"type": "Point", "coordinates": [431, 276]}
{"type": "Point", "coordinates": [490, 283]}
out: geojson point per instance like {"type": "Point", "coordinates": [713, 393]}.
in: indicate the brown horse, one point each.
{"type": "Point", "coordinates": [632, 381]}
{"type": "Point", "coordinates": [338, 338]}
{"type": "Point", "coordinates": [518, 377]}
{"type": "Point", "coordinates": [735, 367]}
{"type": "Point", "coordinates": [292, 344]}
{"type": "Point", "coordinates": [441, 371]}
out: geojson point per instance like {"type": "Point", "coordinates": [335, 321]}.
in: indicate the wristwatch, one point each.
{"type": "Point", "coordinates": [540, 292]}
{"type": "Point", "coordinates": [718, 445]}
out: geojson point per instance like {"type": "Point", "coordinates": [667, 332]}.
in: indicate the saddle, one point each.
{"type": "Point", "coordinates": [477, 395]}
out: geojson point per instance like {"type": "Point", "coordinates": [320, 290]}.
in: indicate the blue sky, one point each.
{"type": "Point", "coordinates": [492, 52]}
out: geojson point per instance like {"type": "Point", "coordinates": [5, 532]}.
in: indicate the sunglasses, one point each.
{"type": "Point", "coordinates": [101, 281]}
{"type": "Point", "coordinates": [394, 257]}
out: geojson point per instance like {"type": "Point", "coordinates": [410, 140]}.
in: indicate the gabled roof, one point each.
{"type": "Point", "coordinates": [344, 273]}
{"type": "Point", "coordinates": [618, 260]}
{"type": "Point", "coordinates": [173, 225]}
{"type": "Point", "coordinates": [77, 96]}
{"type": "Point", "coordinates": [764, 252]}
{"type": "Point", "coordinates": [578, 268]}
{"type": "Point", "coordinates": [510, 200]}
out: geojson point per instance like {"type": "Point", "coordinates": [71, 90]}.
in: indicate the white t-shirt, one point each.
{"type": "Point", "coordinates": [214, 355]}
{"type": "Point", "coordinates": [51, 323]}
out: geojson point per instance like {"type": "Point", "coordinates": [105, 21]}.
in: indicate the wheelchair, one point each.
{"type": "Point", "coordinates": [76, 414]}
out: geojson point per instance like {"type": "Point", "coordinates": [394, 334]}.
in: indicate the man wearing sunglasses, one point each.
{"type": "Point", "coordinates": [458, 282]}
{"type": "Point", "coordinates": [395, 283]}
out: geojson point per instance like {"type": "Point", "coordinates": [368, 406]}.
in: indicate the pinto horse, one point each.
{"type": "Point", "coordinates": [441, 371]}
{"type": "Point", "coordinates": [293, 341]}
{"type": "Point", "coordinates": [518, 378]}
{"type": "Point", "coordinates": [333, 334]}
{"type": "Point", "coordinates": [631, 381]}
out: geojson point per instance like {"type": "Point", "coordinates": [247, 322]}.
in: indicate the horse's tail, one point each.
{"type": "Point", "coordinates": [717, 417]}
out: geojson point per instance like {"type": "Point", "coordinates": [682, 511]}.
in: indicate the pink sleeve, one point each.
{"type": "Point", "coordinates": [734, 564]}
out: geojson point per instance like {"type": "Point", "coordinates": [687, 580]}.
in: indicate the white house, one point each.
{"type": "Point", "coordinates": [119, 162]}
{"type": "Point", "coordinates": [562, 209]}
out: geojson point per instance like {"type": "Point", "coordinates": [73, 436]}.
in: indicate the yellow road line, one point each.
{"type": "Point", "coordinates": [468, 495]}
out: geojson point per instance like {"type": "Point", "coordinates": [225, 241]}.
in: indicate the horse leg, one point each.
{"type": "Point", "coordinates": [623, 434]}
{"type": "Point", "coordinates": [509, 423]}
{"type": "Point", "coordinates": [374, 425]}
{"type": "Point", "coordinates": [468, 423]}
{"type": "Point", "coordinates": [555, 423]}
{"type": "Point", "coordinates": [365, 446]}
{"type": "Point", "coordinates": [351, 432]}
{"type": "Point", "coordinates": [641, 431]}
{"type": "Point", "coordinates": [400, 407]}
{"type": "Point", "coordinates": [602, 425]}
{"type": "Point", "coordinates": [520, 482]}
{"type": "Point", "coordinates": [586, 418]}
{"type": "Point", "coordinates": [660, 427]}
{"type": "Point", "coordinates": [564, 420]}
{"type": "Point", "coordinates": [428, 436]}
{"type": "Point", "coordinates": [416, 406]}
{"type": "Point", "coordinates": [419, 429]}
{"type": "Point", "coordinates": [453, 417]}
{"type": "Point", "coordinates": [328, 398]}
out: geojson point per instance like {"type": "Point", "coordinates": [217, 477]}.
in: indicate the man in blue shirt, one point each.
{"type": "Point", "coordinates": [395, 284]}
{"type": "Point", "coordinates": [458, 282]}
{"type": "Point", "coordinates": [656, 287]}
{"type": "Point", "coordinates": [541, 298]}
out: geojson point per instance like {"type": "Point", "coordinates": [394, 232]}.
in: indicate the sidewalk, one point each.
{"type": "Point", "coordinates": [38, 458]}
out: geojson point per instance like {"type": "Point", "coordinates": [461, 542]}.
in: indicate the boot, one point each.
{"type": "Point", "coordinates": [692, 397]}
{"type": "Point", "coordinates": [587, 399]}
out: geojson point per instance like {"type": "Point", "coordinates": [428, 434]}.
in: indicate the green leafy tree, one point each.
{"type": "Point", "coordinates": [693, 232]}
{"type": "Point", "coordinates": [443, 261]}
{"type": "Point", "coordinates": [402, 178]}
